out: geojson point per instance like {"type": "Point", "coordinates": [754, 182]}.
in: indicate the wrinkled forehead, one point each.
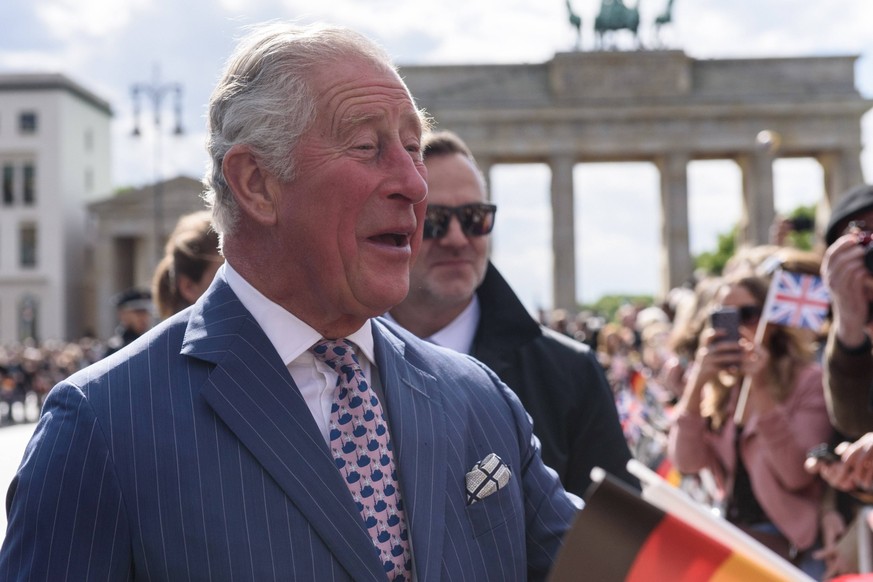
{"type": "Point", "coordinates": [353, 92]}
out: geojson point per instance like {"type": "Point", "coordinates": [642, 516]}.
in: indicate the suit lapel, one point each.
{"type": "Point", "coordinates": [254, 395]}
{"type": "Point", "coordinates": [418, 429]}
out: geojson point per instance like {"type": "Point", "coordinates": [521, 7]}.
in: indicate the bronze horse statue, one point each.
{"type": "Point", "coordinates": [575, 22]}
{"type": "Point", "coordinates": [615, 15]}
{"type": "Point", "coordinates": [665, 17]}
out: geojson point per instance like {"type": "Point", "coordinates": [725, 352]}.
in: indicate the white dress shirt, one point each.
{"type": "Point", "coordinates": [458, 335]}
{"type": "Point", "coordinates": [292, 339]}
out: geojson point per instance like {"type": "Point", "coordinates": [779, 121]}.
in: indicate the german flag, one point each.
{"type": "Point", "coordinates": [620, 537]}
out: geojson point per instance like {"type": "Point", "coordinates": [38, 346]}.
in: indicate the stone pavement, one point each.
{"type": "Point", "coordinates": [13, 440]}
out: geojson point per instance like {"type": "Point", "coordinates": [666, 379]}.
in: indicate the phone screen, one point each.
{"type": "Point", "coordinates": [726, 319]}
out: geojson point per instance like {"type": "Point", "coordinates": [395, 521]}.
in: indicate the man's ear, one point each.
{"type": "Point", "coordinates": [253, 186]}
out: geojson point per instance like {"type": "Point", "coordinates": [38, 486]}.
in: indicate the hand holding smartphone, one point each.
{"type": "Point", "coordinates": [824, 453]}
{"type": "Point", "coordinates": [727, 320]}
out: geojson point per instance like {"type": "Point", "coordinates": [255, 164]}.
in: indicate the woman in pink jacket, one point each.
{"type": "Point", "coordinates": [758, 462]}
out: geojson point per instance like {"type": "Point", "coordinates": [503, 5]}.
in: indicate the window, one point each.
{"type": "Point", "coordinates": [29, 184]}
{"type": "Point", "coordinates": [27, 122]}
{"type": "Point", "coordinates": [89, 180]}
{"type": "Point", "coordinates": [27, 243]}
{"type": "Point", "coordinates": [8, 184]}
{"type": "Point", "coordinates": [89, 140]}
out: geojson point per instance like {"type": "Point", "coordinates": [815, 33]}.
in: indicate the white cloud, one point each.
{"type": "Point", "coordinates": [71, 20]}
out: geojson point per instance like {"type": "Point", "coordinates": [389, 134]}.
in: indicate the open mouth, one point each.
{"type": "Point", "coordinates": [392, 239]}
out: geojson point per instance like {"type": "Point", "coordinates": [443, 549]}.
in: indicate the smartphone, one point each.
{"type": "Point", "coordinates": [726, 319]}
{"type": "Point", "coordinates": [824, 453]}
{"type": "Point", "coordinates": [801, 224]}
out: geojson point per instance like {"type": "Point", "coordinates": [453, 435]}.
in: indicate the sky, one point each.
{"type": "Point", "coordinates": [110, 45]}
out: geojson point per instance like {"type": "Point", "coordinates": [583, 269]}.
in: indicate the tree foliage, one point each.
{"type": "Point", "coordinates": [713, 262]}
{"type": "Point", "coordinates": [607, 305]}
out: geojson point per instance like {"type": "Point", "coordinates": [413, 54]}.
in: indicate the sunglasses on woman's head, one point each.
{"type": "Point", "coordinates": [475, 219]}
{"type": "Point", "coordinates": [749, 314]}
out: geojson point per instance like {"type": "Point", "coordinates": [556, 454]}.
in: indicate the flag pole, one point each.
{"type": "Point", "coordinates": [759, 337]}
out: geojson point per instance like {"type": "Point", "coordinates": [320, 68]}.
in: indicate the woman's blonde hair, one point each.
{"type": "Point", "coordinates": [190, 249]}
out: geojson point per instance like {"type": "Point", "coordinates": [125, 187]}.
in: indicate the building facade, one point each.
{"type": "Point", "coordinates": [129, 230]}
{"type": "Point", "coordinates": [54, 159]}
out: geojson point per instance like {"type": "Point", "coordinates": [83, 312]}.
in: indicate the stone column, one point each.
{"type": "Point", "coordinates": [758, 209]}
{"type": "Point", "coordinates": [676, 262]}
{"type": "Point", "coordinates": [485, 165]}
{"type": "Point", "coordinates": [104, 277]}
{"type": "Point", "coordinates": [563, 235]}
{"type": "Point", "coordinates": [842, 171]}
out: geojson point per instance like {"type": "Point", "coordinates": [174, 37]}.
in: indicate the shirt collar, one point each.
{"type": "Point", "coordinates": [459, 334]}
{"type": "Point", "coordinates": [289, 335]}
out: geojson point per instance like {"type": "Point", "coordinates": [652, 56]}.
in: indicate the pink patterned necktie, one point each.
{"type": "Point", "coordinates": [363, 454]}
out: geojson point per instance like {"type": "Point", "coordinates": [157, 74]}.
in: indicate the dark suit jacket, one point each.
{"type": "Point", "coordinates": [191, 455]}
{"type": "Point", "coordinates": [560, 383]}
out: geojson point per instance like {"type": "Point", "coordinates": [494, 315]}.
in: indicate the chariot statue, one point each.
{"type": "Point", "coordinates": [614, 15]}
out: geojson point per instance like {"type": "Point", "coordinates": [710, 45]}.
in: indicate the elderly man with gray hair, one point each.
{"type": "Point", "coordinates": [277, 429]}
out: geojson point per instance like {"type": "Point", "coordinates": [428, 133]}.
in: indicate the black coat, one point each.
{"type": "Point", "coordinates": [559, 381]}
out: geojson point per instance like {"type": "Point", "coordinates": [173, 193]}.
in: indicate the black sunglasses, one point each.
{"type": "Point", "coordinates": [475, 219]}
{"type": "Point", "coordinates": [749, 314]}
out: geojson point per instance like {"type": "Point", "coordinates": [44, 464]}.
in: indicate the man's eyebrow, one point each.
{"type": "Point", "coordinates": [358, 119]}
{"type": "Point", "coordinates": [352, 121]}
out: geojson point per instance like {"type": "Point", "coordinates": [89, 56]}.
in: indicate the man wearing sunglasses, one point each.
{"type": "Point", "coordinates": [459, 300]}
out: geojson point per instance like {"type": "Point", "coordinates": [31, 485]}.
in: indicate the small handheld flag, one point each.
{"type": "Point", "coordinates": [797, 300]}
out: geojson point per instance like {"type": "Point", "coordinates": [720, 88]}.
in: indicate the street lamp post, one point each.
{"type": "Point", "coordinates": [154, 93]}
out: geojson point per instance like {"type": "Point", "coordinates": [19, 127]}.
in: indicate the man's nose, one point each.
{"type": "Point", "coordinates": [411, 176]}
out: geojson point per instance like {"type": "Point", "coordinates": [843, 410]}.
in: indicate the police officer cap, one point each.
{"type": "Point", "coordinates": [134, 299]}
{"type": "Point", "coordinates": [857, 200]}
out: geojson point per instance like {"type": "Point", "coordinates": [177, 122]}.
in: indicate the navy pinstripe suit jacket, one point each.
{"type": "Point", "coordinates": [191, 455]}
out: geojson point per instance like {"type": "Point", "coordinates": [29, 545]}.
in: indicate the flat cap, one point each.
{"type": "Point", "coordinates": [857, 200]}
{"type": "Point", "coordinates": [134, 299]}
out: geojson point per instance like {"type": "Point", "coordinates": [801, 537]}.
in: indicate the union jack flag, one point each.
{"type": "Point", "coordinates": [797, 300]}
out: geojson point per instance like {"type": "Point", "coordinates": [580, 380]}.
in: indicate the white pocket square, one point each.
{"type": "Point", "coordinates": [489, 475]}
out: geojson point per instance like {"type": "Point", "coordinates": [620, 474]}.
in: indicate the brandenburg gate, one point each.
{"type": "Point", "coordinates": [656, 106]}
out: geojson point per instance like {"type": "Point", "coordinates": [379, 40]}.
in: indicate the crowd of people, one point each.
{"type": "Point", "coordinates": [29, 369]}
{"type": "Point", "coordinates": [351, 377]}
{"type": "Point", "coordinates": [677, 385]}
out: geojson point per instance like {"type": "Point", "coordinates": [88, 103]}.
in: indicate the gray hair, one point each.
{"type": "Point", "coordinates": [263, 100]}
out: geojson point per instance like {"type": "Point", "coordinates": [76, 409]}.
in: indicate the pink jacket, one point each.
{"type": "Point", "coordinates": [774, 447]}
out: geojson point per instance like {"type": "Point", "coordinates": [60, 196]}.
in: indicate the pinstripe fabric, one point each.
{"type": "Point", "coordinates": [192, 456]}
